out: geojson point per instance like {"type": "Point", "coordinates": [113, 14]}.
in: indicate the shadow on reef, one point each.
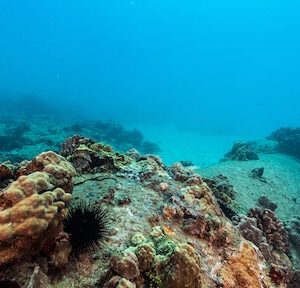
{"type": "Point", "coordinates": [13, 136]}
{"type": "Point", "coordinates": [224, 193]}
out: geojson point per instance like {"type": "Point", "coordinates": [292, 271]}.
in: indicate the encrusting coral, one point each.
{"type": "Point", "coordinates": [33, 206]}
{"type": "Point", "coordinates": [241, 269]}
{"type": "Point", "coordinates": [6, 172]}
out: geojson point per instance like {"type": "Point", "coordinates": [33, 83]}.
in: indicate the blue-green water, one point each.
{"type": "Point", "coordinates": [222, 65]}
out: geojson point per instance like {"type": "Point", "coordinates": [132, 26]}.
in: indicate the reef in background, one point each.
{"type": "Point", "coordinates": [166, 228]}
{"type": "Point", "coordinates": [285, 140]}
{"type": "Point", "coordinates": [288, 140]}
{"type": "Point", "coordinates": [23, 139]}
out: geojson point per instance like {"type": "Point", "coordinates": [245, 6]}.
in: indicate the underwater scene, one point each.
{"type": "Point", "coordinates": [150, 144]}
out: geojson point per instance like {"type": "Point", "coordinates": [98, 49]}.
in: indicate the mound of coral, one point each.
{"type": "Point", "coordinates": [288, 140]}
{"type": "Point", "coordinates": [166, 226]}
{"type": "Point", "coordinates": [242, 152]}
{"type": "Point", "coordinates": [33, 206]}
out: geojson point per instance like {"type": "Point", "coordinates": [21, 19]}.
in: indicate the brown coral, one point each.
{"type": "Point", "coordinates": [272, 228]}
{"type": "Point", "coordinates": [266, 231]}
{"type": "Point", "coordinates": [32, 215]}
{"type": "Point", "coordinates": [62, 250]}
{"type": "Point", "coordinates": [33, 206]}
{"type": "Point", "coordinates": [183, 269]}
{"type": "Point", "coordinates": [69, 145]}
{"type": "Point", "coordinates": [60, 170]}
{"type": "Point", "coordinates": [126, 265]}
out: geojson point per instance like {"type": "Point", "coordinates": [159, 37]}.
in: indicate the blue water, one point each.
{"type": "Point", "coordinates": [228, 66]}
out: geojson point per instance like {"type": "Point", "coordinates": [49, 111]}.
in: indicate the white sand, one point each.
{"type": "Point", "coordinates": [202, 149]}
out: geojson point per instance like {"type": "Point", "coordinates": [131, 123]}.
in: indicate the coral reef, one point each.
{"type": "Point", "coordinates": [158, 262]}
{"type": "Point", "coordinates": [265, 230]}
{"type": "Point", "coordinates": [288, 140]}
{"type": "Point", "coordinates": [167, 228]}
{"type": "Point", "coordinates": [257, 173]}
{"type": "Point", "coordinates": [272, 228]}
{"type": "Point", "coordinates": [242, 269]}
{"type": "Point", "coordinates": [186, 163]}
{"type": "Point", "coordinates": [241, 152]}
{"type": "Point", "coordinates": [88, 156]}
{"type": "Point", "coordinates": [33, 206]}
{"type": "Point", "coordinates": [295, 280]}
{"type": "Point", "coordinates": [13, 136]}
{"type": "Point", "coordinates": [6, 174]}
{"type": "Point", "coordinates": [24, 138]}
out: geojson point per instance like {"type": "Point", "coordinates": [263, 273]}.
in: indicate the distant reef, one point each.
{"type": "Point", "coordinates": [288, 140]}
{"type": "Point", "coordinates": [284, 140]}
{"type": "Point", "coordinates": [23, 139]}
{"type": "Point", "coordinates": [152, 225]}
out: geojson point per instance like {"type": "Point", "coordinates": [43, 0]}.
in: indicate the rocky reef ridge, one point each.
{"type": "Point", "coordinates": [166, 228]}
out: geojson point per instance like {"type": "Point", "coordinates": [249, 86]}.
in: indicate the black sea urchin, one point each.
{"type": "Point", "coordinates": [6, 283]}
{"type": "Point", "coordinates": [87, 225]}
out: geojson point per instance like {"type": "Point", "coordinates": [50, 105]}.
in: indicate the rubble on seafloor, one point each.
{"type": "Point", "coordinates": [165, 228]}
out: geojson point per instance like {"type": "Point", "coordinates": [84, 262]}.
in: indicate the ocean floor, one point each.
{"type": "Point", "coordinates": [281, 186]}
{"type": "Point", "coordinates": [202, 149]}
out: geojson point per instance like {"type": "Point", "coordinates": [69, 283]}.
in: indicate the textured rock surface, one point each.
{"type": "Point", "coordinates": [167, 229]}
